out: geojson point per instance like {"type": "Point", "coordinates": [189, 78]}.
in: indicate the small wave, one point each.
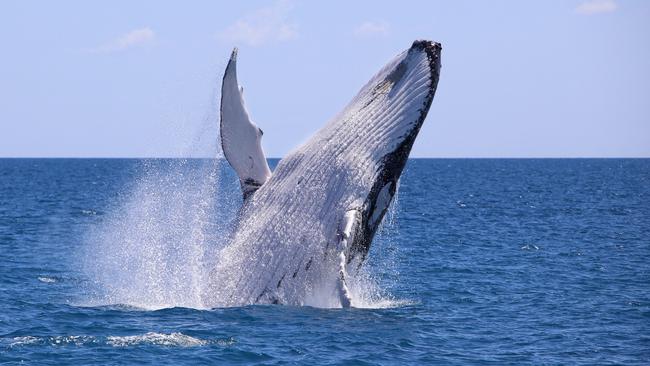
{"type": "Point", "coordinates": [530, 247]}
{"type": "Point", "coordinates": [151, 338]}
{"type": "Point", "coordinates": [89, 212]}
{"type": "Point", "coordinates": [71, 340]}
{"type": "Point", "coordinates": [52, 341]}
{"type": "Point", "coordinates": [159, 339]}
{"type": "Point", "coordinates": [45, 279]}
{"type": "Point", "coordinates": [383, 304]}
{"type": "Point", "coordinates": [23, 341]}
{"type": "Point", "coordinates": [134, 306]}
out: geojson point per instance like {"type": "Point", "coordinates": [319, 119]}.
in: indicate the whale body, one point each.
{"type": "Point", "coordinates": [305, 227]}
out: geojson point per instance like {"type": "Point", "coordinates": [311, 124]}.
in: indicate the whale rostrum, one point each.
{"type": "Point", "coordinates": [308, 225]}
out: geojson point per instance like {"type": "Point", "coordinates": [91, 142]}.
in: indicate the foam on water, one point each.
{"type": "Point", "coordinates": [175, 339]}
{"type": "Point", "coordinates": [75, 340]}
{"type": "Point", "coordinates": [23, 341]}
{"type": "Point", "coordinates": [159, 339]}
{"type": "Point", "coordinates": [45, 279]}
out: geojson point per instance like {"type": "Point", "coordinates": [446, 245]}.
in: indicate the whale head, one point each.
{"type": "Point", "coordinates": [376, 131]}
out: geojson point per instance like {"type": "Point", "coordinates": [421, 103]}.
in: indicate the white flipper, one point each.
{"type": "Point", "coordinates": [240, 137]}
{"type": "Point", "coordinates": [347, 229]}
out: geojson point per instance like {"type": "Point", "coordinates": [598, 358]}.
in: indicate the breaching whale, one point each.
{"type": "Point", "coordinates": [305, 226]}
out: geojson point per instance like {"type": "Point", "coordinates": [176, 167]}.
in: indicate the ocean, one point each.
{"type": "Point", "coordinates": [479, 261]}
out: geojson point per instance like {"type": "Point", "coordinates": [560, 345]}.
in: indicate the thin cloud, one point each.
{"type": "Point", "coordinates": [265, 25]}
{"type": "Point", "coordinates": [592, 7]}
{"type": "Point", "coordinates": [134, 38]}
{"type": "Point", "coordinates": [372, 29]}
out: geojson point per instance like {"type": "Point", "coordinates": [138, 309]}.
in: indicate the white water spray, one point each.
{"type": "Point", "coordinates": [153, 249]}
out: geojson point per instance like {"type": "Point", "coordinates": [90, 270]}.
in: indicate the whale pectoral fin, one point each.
{"type": "Point", "coordinates": [240, 137]}
{"type": "Point", "coordinates": [341, 285]}
{"type": "Point", "coordinates": [346, 234]}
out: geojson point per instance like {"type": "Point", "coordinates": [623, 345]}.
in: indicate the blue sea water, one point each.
{"type": "Point", "coordinates": [480, 261]}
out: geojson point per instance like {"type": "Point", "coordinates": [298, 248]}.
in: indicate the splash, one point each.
{"type": "Point", "coordinates": [369, 285]}
{"type": "Point", "coordinates": [159, 243]}
{"type": "Point", "coordinates": [154, 248]}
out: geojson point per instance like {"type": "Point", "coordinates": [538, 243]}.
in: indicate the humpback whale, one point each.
{"type": "Point", "coordinates": [306, 226]}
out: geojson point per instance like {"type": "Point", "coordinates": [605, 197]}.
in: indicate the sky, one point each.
{"type": "Point", "coordinates": [563, 78]}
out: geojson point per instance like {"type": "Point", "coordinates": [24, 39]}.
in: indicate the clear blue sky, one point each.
{"type": "Point", "coordinates": [567, 78]}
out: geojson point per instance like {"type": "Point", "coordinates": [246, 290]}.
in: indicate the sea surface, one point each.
{"type": "Point", "coordinates": [480, 261]}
